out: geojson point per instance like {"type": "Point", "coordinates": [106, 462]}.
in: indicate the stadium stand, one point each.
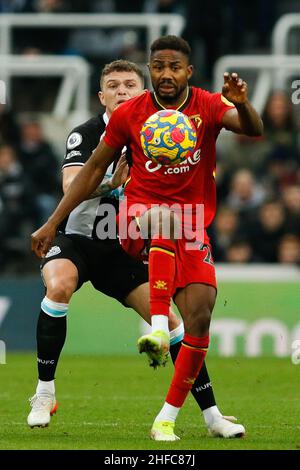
{"type": "Point", "coordinates": [258, 180]}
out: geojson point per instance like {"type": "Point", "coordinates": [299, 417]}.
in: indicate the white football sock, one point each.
{"type": "Point", "coordinates": [167, 413]}
{"type": "Point", "coordinates": [160, 322]}
{"type": "Point", "coordinates": [210, 414]}
{"type": "Point", "coordinates": [45, 388]}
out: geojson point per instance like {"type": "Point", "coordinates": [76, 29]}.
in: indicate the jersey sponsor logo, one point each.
{"type": "Point", "coordinates": [74, 140]}
{"type": "Point", "coordinates": [55, 250]}
{"type": "Point", "coordinates": [74, 153]}
{"type": "Point", "coordinates": [183, 167]}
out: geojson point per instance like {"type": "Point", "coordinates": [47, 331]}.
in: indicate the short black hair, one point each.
{"type": "Point", "coordinates": [174, 43]}
{"type": "Point", "coordinates": [121, 65]}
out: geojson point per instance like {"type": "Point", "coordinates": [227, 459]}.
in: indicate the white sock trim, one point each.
{"type": "Point", "coordinates": [54, 309]}
{"type": "Point", "coordinates": [177, 334]}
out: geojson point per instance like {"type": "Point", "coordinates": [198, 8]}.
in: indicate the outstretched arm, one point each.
{"type": "Point", "coordinates": [243, 119]}
{"type": "Point", "coordinates": [119, 177]}
{"type": "Point", "coordinates": [80, 189]}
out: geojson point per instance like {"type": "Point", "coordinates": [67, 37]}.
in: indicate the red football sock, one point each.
{"type": "Point", "coordinates": [187, 367]}
{"type": "Point", "coordinates": [161, 275]}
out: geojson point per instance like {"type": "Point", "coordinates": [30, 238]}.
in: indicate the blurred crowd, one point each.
{"type": "Point", "coordinates": [258, 180]}
{"type": "Point", "coordinates": [29, 187]}
{"type": "Point", "coordinates": [213, 28]}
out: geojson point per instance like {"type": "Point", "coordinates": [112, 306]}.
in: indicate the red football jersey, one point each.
{"type": "Point", "coordinates": [191, 182]}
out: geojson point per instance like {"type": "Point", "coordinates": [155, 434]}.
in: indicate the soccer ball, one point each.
{"type": "Point", "coordinates": [168, 137]}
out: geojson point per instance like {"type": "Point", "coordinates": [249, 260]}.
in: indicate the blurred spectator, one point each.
{"type": "Point", "coordinates": [225, 229]}
{"type": "Point", "coordinates": [15, 201]}
{"type": "Point", "coordinates": [42, 40]}
{"type": "Point", "coordinates": [17, 6]}
{"type": "Point", "coordinates": [245, 194]}
{"type": "Point", "coordinates": [204, 35]}
{"type": "Point", "coordinates": [53, 6]}
{"type": "Point", "coordinates": [9, 129]}
{"type": "Point", "coordinates": [289, 249]}
{"type": "Point", "coordinates": [35, 6]}
{"type": "Point", "coordinates": [103, 44]}
{"type": "Point", "coordinates": [281, 142]}
{"type": "Point", "coordinates": [236, 151]}
{"type": "Point", "coordinates": [279, 116]}
{"type": "Point", "coordinates": [164, 6]}
{"type": "Point", "coordinates": [291, 199]}
{"type": "Point", "coordinates": [102, 6]}
{"type": "Point", "coordinates": [253, 26]}
{"type": "Point", "coordinates": [267, 230]}
{"type": "Point", "coordinates": [41, 167]}
{"type": "Point", "coordinates": [239, 251]}
{"type": "Point", "coordinates": [280, 173]}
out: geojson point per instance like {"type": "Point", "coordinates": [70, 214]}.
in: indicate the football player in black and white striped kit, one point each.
{"type": "Point", "coordinates": [77, 255]}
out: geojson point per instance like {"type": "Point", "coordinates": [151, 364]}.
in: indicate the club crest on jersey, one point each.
{"type": "Point", "coordinates": [196, 120]}
{"type": "Point", "coordinates": [55, 250]}
{"type": "Point", "coordinates": [74, 140]}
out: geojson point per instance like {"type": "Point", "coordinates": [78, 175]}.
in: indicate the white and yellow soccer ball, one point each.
{"type": "Point", "coordinates": [168, 137]}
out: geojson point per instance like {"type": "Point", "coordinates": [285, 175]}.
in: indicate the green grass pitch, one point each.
{"type": "Point", "coordinates": [110, 402]}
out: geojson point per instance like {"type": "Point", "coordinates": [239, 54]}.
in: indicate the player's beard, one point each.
{"type": "Point", "coordinates": [170, 98]}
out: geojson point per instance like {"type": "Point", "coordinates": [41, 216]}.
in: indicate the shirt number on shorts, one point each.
{"type": "Point", "coordinates": [208, 257]}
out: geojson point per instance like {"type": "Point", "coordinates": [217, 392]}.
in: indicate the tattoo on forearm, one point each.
{"type": "Point", "coordinates": [102, 190]}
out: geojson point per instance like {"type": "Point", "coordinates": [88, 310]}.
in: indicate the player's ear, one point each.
{"type": "Point", "coordinates": [190, 71]}
{"type": "Point", "coordinates": [101, 98]}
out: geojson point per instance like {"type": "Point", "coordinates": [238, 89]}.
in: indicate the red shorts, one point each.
{"type": "Point", "coordinates": [192, 265]}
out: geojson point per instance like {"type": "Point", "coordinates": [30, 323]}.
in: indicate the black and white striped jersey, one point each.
{"type": "Point", "coordinates": [81, 143]}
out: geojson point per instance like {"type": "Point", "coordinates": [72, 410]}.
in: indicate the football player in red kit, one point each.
{"type": "Point", "coordinates": [175, 269]}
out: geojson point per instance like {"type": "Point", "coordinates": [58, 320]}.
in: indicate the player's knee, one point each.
{"type": "Point", "coordinates": [169, 226]}
{"type": "Point", "coordinates": [198, 322]}
{"type": "Point", "coordinates": [60, 290]}
{"type": "Point", "coordinates": [161, 221]}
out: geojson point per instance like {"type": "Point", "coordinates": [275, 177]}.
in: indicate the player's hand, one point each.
{"type": "Point", "coordinates": [234, 89]}
{"type": "Point", "coordinates": [42, 238]}
{"type": "Point", "coordinates": [121, 173]}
